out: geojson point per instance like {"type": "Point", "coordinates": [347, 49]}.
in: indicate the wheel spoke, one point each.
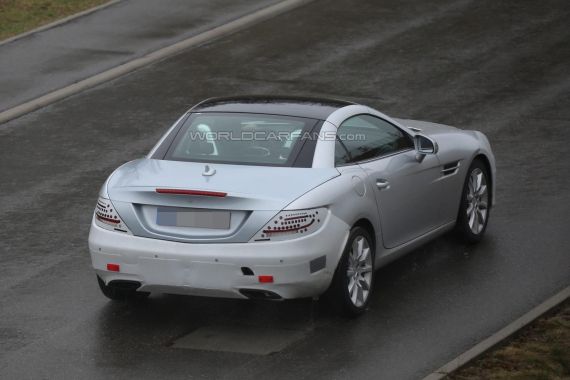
{"type": "Point", "coordinates": [353, 259]}
{"type": "Point", "coordinates": [470, 209]}
{"type": "Point", "coordinates": [471, 185]}
{"type": "Point", "coordinates": [351, 286]}
{"type": "Point", "coordinates": [472, 219]}
{"type": "Point", "coordinates": [481, 216]}
{"type": "Point", "coordinates": [354, 249]}
{"type": "Point", "coordinates": [477, 222]}
{"type": "Point", "coordinates": [360, 298]}
{"type": "Point", "coordinates": [364, 256]}
{"type": "Point", "coordinates": [360, 248]}
{"type": "Point", "coordinates": [354, 294]}
{"type": "Point", "coordinates": [366, 269]}
{"type": "Point", "coordinates": [363, 284]}
{"type": "Point", "coordinates": [478, 180]}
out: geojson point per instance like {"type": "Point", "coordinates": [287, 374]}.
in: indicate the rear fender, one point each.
{"type": "Point", "coordinates": [349, 199]}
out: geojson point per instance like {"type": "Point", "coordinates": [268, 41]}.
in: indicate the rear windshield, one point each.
{"type": "Point", "coordinates": [240, 138]}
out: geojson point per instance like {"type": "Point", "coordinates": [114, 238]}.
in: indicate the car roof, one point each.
{"type": "Point", "coordinates": [313, 108]}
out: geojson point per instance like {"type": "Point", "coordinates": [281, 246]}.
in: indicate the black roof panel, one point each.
{"type": "Point", "coordinates": [313, 108]}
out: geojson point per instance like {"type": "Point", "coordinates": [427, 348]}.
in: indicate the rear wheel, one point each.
{"type": "Point", "coordinates": [352, 283]}
{"type": "Point", "coordinates": [120, 291]}
{"type": "Point", "coordinates": [474, 210]}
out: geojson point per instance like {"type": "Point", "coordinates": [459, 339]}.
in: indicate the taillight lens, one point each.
{"type": "Point", "coordinates": [107, 217]}
{"type": "Point", "coordinates": [292, 224]}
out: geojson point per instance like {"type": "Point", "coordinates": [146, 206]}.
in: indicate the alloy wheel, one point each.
{"type": "Point", "coordinates": [477, 201]}
{"type": "Point", "coordinates": [359, 271]}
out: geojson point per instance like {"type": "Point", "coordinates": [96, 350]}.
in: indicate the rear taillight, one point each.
{"type": "Point", "coordinates": [292, 224]}
{"type": "Point", "coordinates": [107, 217]}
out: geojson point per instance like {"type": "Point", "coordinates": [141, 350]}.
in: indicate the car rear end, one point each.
{"type": "Point", "coordinates": [208, 216]}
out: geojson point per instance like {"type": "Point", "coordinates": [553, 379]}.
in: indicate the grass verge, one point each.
{"type": "Point", "coordinates": [18, 16]}
{"type": "Point", "coordinates": [540, 351]}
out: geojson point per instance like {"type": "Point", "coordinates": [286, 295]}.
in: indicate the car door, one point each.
{"type": "Point", "coordinates": [407, 191]}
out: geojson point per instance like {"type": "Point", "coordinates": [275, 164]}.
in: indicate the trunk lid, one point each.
{"type": "Point", "coordinates": [251, 196]}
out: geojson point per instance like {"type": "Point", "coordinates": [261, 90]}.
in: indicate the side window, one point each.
{"type": "Point", "coordinates": [341, 155]}
{"type": "Point", "coordinates": [364, 137]}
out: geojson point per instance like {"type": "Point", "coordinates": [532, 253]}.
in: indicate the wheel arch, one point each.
{"type": "Point", "coordinates": [369, 227]}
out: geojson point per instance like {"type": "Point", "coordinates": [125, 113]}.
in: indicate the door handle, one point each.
{"type": "Point", "coordinates": [382, 184]}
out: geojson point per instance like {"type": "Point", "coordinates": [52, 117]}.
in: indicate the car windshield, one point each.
{"type": "Point", "coordinates": [239, 138]}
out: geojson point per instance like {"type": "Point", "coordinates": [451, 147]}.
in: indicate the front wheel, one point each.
{"type": "Point", "coordinates": [474, 210]}
{"type": "Point", "coordinates": [352, 283]}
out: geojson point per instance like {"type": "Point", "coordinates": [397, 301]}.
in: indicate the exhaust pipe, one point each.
{"type": "Point", "coordinates": [259, 294]}
{"type": "Point", "coordinates": [127, 285]}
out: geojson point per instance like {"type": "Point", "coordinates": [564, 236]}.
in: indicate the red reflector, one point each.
{"type": "Point", "coordinates": [114, 267]}
{"type": "Point", "coordinates": [192, 192]}
{"type": "Point", "coordinates": [265, 279]}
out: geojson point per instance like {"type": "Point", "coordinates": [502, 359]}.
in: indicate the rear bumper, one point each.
{"type": "Point", "coordinates": [300, 267]}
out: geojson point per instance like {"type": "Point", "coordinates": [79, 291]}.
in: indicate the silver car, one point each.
{"type": "Point", "coordinates": [285, 197]}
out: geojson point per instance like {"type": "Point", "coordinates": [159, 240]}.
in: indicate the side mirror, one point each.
{"type": "Point", "coordinates": [424, 146]}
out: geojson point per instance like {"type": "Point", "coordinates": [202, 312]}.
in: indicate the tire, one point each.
{"type": "Point", "coordinates": [474, 210]}
{"type": "Point", "coordinates": [355, 271]}
{"type": "Point", "coordinates": [118, 293]}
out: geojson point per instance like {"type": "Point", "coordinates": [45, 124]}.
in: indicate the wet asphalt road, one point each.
{"type": "Point", "coordinates": [88, 45]}
{"type": "Point", "coordinates": [500, 67]}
